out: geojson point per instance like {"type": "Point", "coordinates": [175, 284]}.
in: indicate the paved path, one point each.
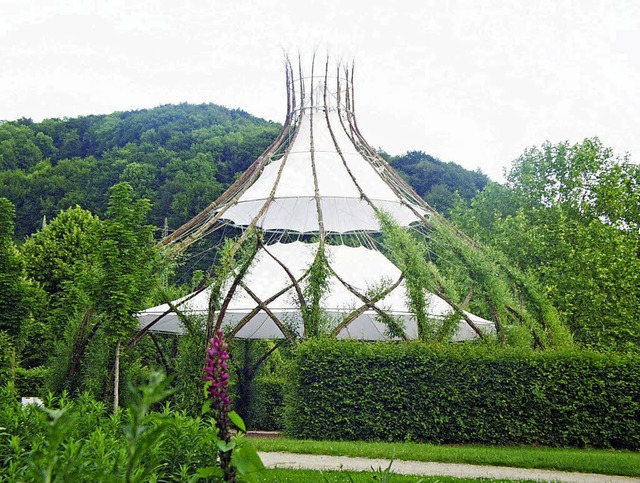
{"type": "Point", "coordinates": [322, 462]}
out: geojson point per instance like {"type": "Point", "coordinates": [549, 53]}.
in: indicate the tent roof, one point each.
{"type": "Point", "coordinates": [342, 172]}
{"type": "Point", "coordinates": [318, 177]}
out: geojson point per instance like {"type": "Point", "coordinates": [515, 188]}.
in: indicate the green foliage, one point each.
{"type": "Point", "coordinates": [128, 261]}
{"type": "Point", "coordinates": [32, 382]}
{"type": "Point", "coordinates": [438, 183]}
{"type": "Point", "coordinates": [78, 440]}
{"type": "Point", "coordinates": [144, 430]}
{"type": "Point", "coordinates": [568, 219]}
{"type": "Point", "coordinates": [466, 393]}
{"type": "Point", "coordinates": [259, 369]}
{"type": "Point", "coordinates": [54, 255]}
{"type": "Point", "coordinates": [14, 290]}
{"type": "Point", "coordinates": [445, 262]}
{"type": "Point", "coordinates": [315, 289]}
{"type": "Point", "coordinates": [98, 274]}
{"type": "Point", "coordinates": [410, 257]}
{"type": "Point", "coordinates": [18, 147]}
{"type": "Point", "coordinates": [234, 260]}
{"type": "Point", "coordinates": [179, 156]}
{"type": "Point", "coordinates": [267, 403]}
{"type": "Point", "coordinates": [500, 291]}
{"type": "Point", "coordinates": [186, 363]}
{"type": "Point", "coordinates": [7, 356]}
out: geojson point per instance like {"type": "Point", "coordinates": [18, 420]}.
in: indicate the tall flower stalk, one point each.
{"type": "Point", "coordinates": [216, 382]}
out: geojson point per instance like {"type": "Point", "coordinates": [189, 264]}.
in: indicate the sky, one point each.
{"type": "Point", "coordinates": [475, 82]}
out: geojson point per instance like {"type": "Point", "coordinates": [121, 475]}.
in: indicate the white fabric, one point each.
{"type": "Point", "coordinates": [340, 215]}
{"type": "Point", "coordinates": [343, 208]}
{"type": "Point", "coordinates": [266, 278]}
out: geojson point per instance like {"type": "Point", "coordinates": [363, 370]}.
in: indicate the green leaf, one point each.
{"type": "Point", "coordinates": [206, 407]}
{"type": "Point", "coordinates": [237, 420]}
{"type": "Point", "coordinates": [246, 461]}
{"type": "Point", "coordinates": [224, 446]}
{"type": "Point", "coordinates": [206, 473]}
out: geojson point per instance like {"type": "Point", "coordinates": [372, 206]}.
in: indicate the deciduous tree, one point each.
{"type": "Point", "coordinates": [569, 216]}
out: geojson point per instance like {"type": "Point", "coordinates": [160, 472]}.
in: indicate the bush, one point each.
{"type": "Point", "coordinates": [267, 406]}
{"type": "Point", "coordinates": [7, 355]}
{"type": "Point", "coordinates": [80, 440]}
{"type": "Point", "coordinates": [464, 394]}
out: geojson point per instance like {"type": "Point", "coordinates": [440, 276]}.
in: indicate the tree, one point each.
{"type": "Point", "coordinates": [568, 215]}
{"type": "Point", "coordinates": [14, 292]}
{"type": "Point", "coordinates": [17, 147]}
{"type": "Point", "coordinates": [53, 255]}
{"type": "Point", "coordinates": [98, 273]}
{"type": "Point", "coordinates": [128, 268]}
{"type": "Point", "coordinates": [190, 186]}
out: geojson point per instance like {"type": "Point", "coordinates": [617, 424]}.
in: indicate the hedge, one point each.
{"type": "Point", "coordinates": [267, 405]}
{"type": "Point", "coordinates": [464, 393]}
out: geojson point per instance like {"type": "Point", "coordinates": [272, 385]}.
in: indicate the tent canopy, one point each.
{"type": "Point", "coordinates": [318, 180]}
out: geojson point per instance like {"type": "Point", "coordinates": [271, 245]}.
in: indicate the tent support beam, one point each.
{"type": "Point", "coordinates": [294, 282]}
{"type": "Point", "coordinates": [172, 308]}
{"type": "Point", "coordinates": [536, 337]}
{"type": "Point", "coordinates": [260, 307]}
{"type": "Point", "coordinates": [232, 290]}
{"type": "Point", "coordinates": [80, 345]}
{"type": "Point", "coordinates": [368, 304]}
{"type": "Point", "coordinates": [271, 315]}
{"type": "Point", "coordinates": [440, 293]}
{"type": "Point", "coordinates": [160, 353]}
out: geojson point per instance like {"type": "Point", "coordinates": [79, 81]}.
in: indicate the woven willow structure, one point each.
{"type": "Point", "coordinates": [307, 257]}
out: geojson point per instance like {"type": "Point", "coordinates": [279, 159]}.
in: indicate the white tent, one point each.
{"type": "Point", "coordinates": [318, 179]}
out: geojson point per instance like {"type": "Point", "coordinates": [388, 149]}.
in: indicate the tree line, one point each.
{"type": "Point", "coordinates": [569, 216]}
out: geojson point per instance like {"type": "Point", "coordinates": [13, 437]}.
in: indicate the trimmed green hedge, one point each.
{"type": "Point", "coordinates": [351, 390]}
{"type": "Point", "coordinates": [267, 406]}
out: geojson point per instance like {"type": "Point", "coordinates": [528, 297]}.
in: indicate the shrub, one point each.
{"type": "Point", "coordinates": [464, 393]}
{"type": "Point", "coordinates": [7, 355]}
{"type": "Point", "coordinates": [267, 405]}
{"type": "Point", "coordinates": [80, 440]}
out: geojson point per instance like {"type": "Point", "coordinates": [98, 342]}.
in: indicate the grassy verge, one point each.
{"type": "Point", "coordinates": [285, 475]}
{"type": "Point", "coordinates": [607, 462]}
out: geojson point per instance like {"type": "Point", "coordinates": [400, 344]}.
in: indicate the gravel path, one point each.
{"type": "Point", "coordinates": [322, 462]}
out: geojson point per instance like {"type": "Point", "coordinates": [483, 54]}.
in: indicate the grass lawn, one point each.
{"type": "Point", "coordinates": [608, 462]}
{"type": "Point", "coordinates": [284, 475]}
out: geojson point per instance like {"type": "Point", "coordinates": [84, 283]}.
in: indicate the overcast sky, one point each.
{"type": "Point", "coordinates": [474, 82]}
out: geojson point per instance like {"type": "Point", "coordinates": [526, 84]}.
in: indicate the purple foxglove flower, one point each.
{"type": "Point", "coordinates": [218, 378]}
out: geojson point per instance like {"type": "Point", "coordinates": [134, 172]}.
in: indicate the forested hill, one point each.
{"type": "Point", "coordinates": [436, 181]}
{"type": "Point", "coordinates": [181, 157]}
